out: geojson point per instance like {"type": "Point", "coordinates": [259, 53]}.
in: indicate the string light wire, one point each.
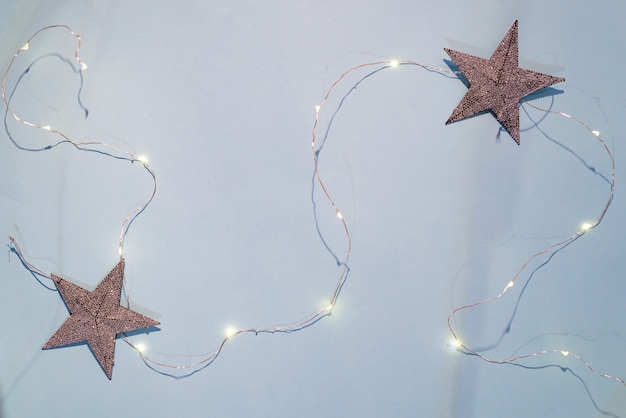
{"type": "Point", "coordinates": [189, 369]}
{"type": "Point", "coordinates": [88, 146]}
{"type": "Point", "coordinates": [117, 153]}
{"type": "Point", "coordinates": [550, 250]}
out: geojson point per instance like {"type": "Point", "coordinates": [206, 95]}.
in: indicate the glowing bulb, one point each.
{"type": "Point", "coordinates": [25, 47]}
{"type": "Point", "coordinates": [394, 63]}
{"type": "Point", "coordinates": [317, 108]}
{"type": "Point", "coordinates": [596, 133]}
{"type": "Point", "coordinates": [329, 307]}
{"type": "Point", "coordinates": [586, 226]}
{"type": "Point", "coordinates": [119, 250]}
{"type": "Point", "coordinates": [142, 159]}
{"type": "Point", "coordinates": [83, 66]}
{"type": "Point", "coordinates": [47, 127]}
{"type": "Point", "coordinates": [455, 343]}
{"type": "Point", "coordinates": [230, 332]}
{"type": "Point", "coordinates": [510, 284]}
{"type": "Point", "coordinates": [141, 348]}
{"type": "Point", "coordinates": [565, 353]}
{"type": "Point", "coordinates": [339, 215]}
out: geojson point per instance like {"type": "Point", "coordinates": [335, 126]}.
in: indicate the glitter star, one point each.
{"type": "Point", "coordinates": [497, 84]}
{"type": "Point", "coordinates": [97, 317]}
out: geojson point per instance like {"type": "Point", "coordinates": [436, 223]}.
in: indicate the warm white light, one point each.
{"type": "Point", "coordinates": [119, 251]}
{"type": "Point", "coordinates": [230, 332]}
{"type": "Point", "coordinates": [317, 108]}
{"type": "Point", "coordinates": [329, 307]}
{"type": "Point", "coordinates": [47, 127]}
{"type": "Point", "coordinates": [25, 47]}
{"type": "Point", "coordinates": [510, 284]}
{"type": "Point", "coordinates": [142, 159]}
{"type": "Point", "coordinates": [565, 353]}
{"type": "Point", "coordinates": [141, 348]}
{"type": "Point", "coordinates": [339, 215]}
{"type": "Point", "coordinates": [394, 63]}
{"type": "Point", "coordinates": [586, 226]}
{"type": "Point", "coordinates": [83, 66]}
{"type": "Point", "coordinates": [596, 133]}
{"type": "Point", "coordinates": [455, 343]}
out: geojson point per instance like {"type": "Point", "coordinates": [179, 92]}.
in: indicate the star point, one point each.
{"type": "Point", "coordinates": [497, 84]}
{"type": "Point", "coordinates": [97, 317]}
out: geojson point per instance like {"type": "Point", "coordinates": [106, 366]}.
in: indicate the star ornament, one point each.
{"type": "Point", "coordinates": [97, 317]}
{"type": "Point", "coordinates": [497, 84]}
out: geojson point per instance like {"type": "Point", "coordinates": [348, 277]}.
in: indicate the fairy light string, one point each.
{"type": "Point", "coordinates": [549, 251]}
{"type": "Point", "coordinates": [117, 153]}
{"type": "Point", "coordinates": [87, 146]}
{"type": "Point", "coordinates": [185, 370]}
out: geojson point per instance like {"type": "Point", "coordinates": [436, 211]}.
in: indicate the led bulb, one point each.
{"type": "Point", "coordinates": [25, 47]}
{"type": "Point", "coordinates": [510, 284]}
{"type": "Point", "coordinates": [596, 133]}
{"type": "Point", "coordinates": [339, 215]}
{"type": "Point", "coordinates": [565, 353]}
{"type": "Point", "coordinates": [142, 159]}
{"type": "Point", "coordinates": [83, 66]}
{"type": "Point", "coordinates": [455, 344]}
{"type": "Point", "coordinates": [46, 128]}
{"type": "Point", "coordinates": [141, 348]}
{"type": "Point", "coordinates": [230, 332]}
{"type": "Point", "coordinates": [394, 63]}
{"type": "Point", "coordinates": [586, 226]}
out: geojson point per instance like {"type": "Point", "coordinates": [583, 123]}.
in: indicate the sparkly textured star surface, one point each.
{"type": "Point", "coordinates": [97, 317]}
{"type": "Point", "coordinates": [497, 84]}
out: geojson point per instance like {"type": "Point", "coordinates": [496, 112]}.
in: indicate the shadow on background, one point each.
{"type": "Point", "coordinates": [19, 81]}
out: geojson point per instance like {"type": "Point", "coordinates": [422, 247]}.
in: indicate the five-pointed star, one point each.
{"type": "Point", "coordinates": [497, 83]}
{"type": "Point", "coordinates": [97, 317]}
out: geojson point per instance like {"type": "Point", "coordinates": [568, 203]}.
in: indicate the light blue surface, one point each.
{"type": "Point", "coordinates": [221, 97]}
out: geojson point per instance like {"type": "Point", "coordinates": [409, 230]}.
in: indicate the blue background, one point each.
{"type": "Point", "coordinates": [221, 96]}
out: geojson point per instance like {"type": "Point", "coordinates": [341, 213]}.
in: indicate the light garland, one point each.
{"type": "Point", "coordinates": [551, 250]}
{"type": "Point", "coordinates": [316, 147]}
